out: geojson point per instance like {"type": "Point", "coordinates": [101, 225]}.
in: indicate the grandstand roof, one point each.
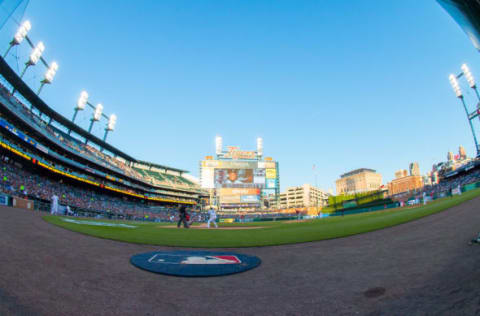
{"type": "Point", "coordinates": [467, 14]}
{"type": "Point", "coordinates": [151, 164]}
{"type": "Point", "coordinates": [10, 75]}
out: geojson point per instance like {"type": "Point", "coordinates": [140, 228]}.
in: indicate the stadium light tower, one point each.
{"type": "Point", "coordinates": [458, 93]}
{"type": "Point", "coordinates": [81, 103]}
{"type": "Point", "coordinates": [470, 79]}
{"type": "Point", "coordinates": [260, 146]}
{"type": "Point", "coordinates": [34, 58]}
{"type": "Point", "coordinates": [218, 145]}
{"type": "Point", "coordinates": [52, 70]}
{"type": "Point", "coordinates": [112, 121]}
{"type": "Point", "coordinates": [96, 117]}
{"type": "Point", "coordinates": [19, 36]}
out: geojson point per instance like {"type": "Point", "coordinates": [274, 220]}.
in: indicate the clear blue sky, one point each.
{"type": "Point", "coordinates": [338, 84]}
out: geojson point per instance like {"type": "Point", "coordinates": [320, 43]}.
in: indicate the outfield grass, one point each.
{"type": "Point", "coordinates": [273, 233]}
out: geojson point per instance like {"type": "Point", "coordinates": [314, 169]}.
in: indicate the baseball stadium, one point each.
{"type": "Point", "coordinates": [89, 229]}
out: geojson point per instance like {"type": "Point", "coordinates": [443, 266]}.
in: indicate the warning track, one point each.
{"type": "Point", "coordinates": [421, 267]}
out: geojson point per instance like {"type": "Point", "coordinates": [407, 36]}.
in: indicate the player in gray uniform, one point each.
{"type": "Point", "coordinates": [212, 216]}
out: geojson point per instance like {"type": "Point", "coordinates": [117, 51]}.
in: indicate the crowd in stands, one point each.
{"type": "Point", "coordinates": [443, 188]}
{"type": "Point", "coordinates": [159, 193]}
{"type": "Point", "coordinates": [18, 181]}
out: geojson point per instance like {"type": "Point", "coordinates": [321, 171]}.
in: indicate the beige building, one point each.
{"type": "Point", "coordinates": [359, 180]}
{"type": "Point", "coordinates": [303, 196]}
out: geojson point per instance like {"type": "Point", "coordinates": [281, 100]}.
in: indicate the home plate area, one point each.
{"type": "Point", "coordinates": [194, 263]}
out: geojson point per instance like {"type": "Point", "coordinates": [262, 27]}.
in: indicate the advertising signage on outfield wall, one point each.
{"type": "Point", "coordinates": [266, 165]}
{"type": "Point", "coordinates": [267, 192]}
{"type": "Point", "coordinates": [270, 183]}
{"type": "Point", "coordinates": [249, 198]}
{"type": "Point", "coordinates": [229, 199]}
{"type": "Point", "coordinates": [259, 176]}
{"type": "Point", "coordinates": [239, 191]}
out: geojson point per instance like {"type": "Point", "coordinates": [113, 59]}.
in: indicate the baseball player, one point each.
{"type": "Point", "coordinates": [54, 205]}
{"type": "Point", "coordinates": [212, 216]}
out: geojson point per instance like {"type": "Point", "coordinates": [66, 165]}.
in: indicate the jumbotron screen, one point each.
{"type": "Point", "coordinates": [225, 177]}
{"type": "Point", "coordinates": [239, 183]}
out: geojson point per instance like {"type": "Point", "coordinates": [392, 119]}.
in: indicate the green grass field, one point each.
{"type": "Point", "coordinates": [272, 233]}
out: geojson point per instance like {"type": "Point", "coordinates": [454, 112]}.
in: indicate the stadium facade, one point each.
{"type": "Point", "coordinates": [240, 180]}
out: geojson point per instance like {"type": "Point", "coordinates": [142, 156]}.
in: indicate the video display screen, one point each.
{"type": "Point", "coordinates": [224, 177]}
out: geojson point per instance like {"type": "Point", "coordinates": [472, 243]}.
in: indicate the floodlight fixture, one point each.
{"type": "Point", "coordinates": [36, 53]}
{"type": "Point", "coordinates": [468, 75]}
{"type": "Point", "coordinates": [82, 100]}
{"type": "Point", "coordinates": [98, 112]}
{"type": "Point", "coordinates": [470, 79]}
{"type": "Point", "coordinates": [96, 117]}
{"type": "Point", "coordinates": [34, 58]}
{"type": "Point", "coordinates": [81, 103]}
{"type": "Point", "coordinates": [19, 36]}
{"type": "Point", "coordinates": [52, 70]}
{"type": "Point", "coordinates": [110, 126]}
{"type": "Point", "coordinates": [260, 146]}
{"type": "Point", "coordinates": [458, 92]}
{"type": "Point", "coordinates": [21, 32]}
{"type": "Point", "coordinates": [455, 86]}
{"type": "Point", "coordinates": [112, 121]}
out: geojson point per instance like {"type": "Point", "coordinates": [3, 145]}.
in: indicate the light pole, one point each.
{"type": "Point", "coordinates": [34, 58]}
{"type": "Point", "coordinates": [96, 117]}
{"type": "Point", "coordinates": [19, 36]}
{"type": "Point", "coordinates": [112, 121]}
{"type": "Point", "coordinates": [218, 145]}
{"type": "Point", "coordinates": [81, 103]}
{"type": "Point", "coordinates": [52, 70]}
{"type": "Point", "coordinates": [458, 93]}
{"type": "Point", "coordinates": [470, 79]}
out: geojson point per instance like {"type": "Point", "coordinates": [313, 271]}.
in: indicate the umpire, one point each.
{"type": "Point", "coordinates": [182, 212]}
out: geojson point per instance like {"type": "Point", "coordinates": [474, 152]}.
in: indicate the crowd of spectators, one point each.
{"type": "Point", "coordinates": [18, 181]}
{"type": "Point", "coordinates": [443, 188]}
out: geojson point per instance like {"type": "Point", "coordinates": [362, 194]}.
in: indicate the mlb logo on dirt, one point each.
{"type": "Point", "coordinates": [182, 259]}
{"type": "Point", "coordinates": [194, 263]}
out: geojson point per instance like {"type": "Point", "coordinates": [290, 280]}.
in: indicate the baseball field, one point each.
{"type": "Point", "coordinates": [255, 233]}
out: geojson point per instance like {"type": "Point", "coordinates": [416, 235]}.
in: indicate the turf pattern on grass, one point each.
{"type": "Point", "coordinates": [276, 233]}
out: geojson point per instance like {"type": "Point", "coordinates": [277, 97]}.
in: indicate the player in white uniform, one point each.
{"type": "Point", "coordinates": [54, 207]}
{"type": "Point", "coordinates": [212, 216]}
